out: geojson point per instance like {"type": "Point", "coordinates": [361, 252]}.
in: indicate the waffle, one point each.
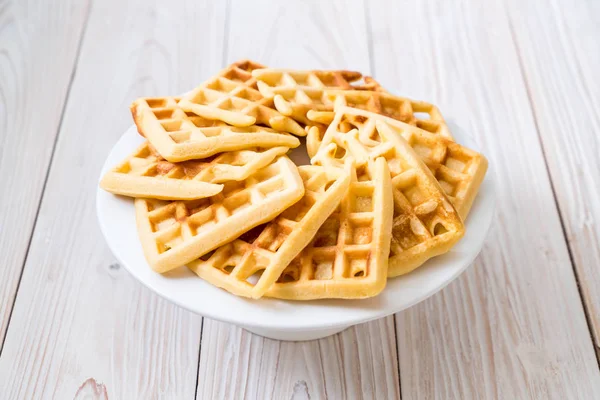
{"type": "Point", "coordinates": [174, 233]}
{"type": "Point", "coordinates": [348, 256]}
{"type": "Point", "coordinates": [413, 112]}
{"type": "Point", "coordinates": [425, 222]}
{"type": "Point", "coordinates": [146, 174]}
{"type": "Point", "coordinates": [263, 253]}
{"type": "Point", "coordinates": [370, 84]}
{"type": "Point", "coordinates": [233, 97]}
{"type": "Point", "coordinates": [295, 93]}
{"type": "Point", "coordinates": [459, 170]}
{"type": "Point", "coordinates": [180, 136]}
{"type": "Point", "coordinates": [314, 137]}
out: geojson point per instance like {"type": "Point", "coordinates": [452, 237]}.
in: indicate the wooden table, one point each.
{"type": "Point", "coordinates": [522, 76]}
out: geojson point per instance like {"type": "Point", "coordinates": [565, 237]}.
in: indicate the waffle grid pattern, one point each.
{"type": "Point", "coordinates": [178, 135]}
{"type": "Point", "coordinates": [423, 115]}
{"type": "Point", "coordinates": [233, 97]}
{"type": "Point", "coordinates": [249, 265]}
{"type": "Point", "coordinates": [348, 256]}
{"type": "Point", "coordinates": [425, 224]}
{"type": "Point", "coordinates": [145, 173]}
{"type": "Point", "coordinates": [387, 188]}
{"type": "Point", "coordinates": [413, 112]}
{"type": "Point", "coordinates": [295, 93]}
{"type": "Point", "coordinates": [174, 233]}
{"type": "Point", "coordinates": [458, 170]}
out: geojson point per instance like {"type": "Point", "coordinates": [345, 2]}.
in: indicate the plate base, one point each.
{"type": "Point", "coordinates": [298, 336]}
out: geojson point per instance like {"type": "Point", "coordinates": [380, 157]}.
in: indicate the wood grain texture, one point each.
{"type": "Point", "coordinates": [360, 362]}
{"type": "Point", "coordinates": [31, 104]}
{"type": "Point", "coordinates": [353, 364]}
{"type": "Point", "coordinates": [299, 34]}
{"type": "Point", "coordinates": [513, 326]}
{"type": "Point", "coordinates": [558, 49]}
{"type": "Point", "coordinates": [81, 325]}
{"type": "Point", "coordinates": [513, 74]}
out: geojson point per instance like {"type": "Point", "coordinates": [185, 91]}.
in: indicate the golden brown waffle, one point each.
{"type": "Point", "coordinates": [348, 256]}
{"type": "Point", "coordinates": [178, 135]}
{"type": "Point", "coordinates": [233, 96]}
{"type": "Point", "coordinates": [295, 92]}
{"type": "Point", "coordinates": [145, 173]}
{"type": "Point", "coordinates": [265, 252]}
{"type": "Point", "coordinates": [316, 79]}
{"type": "Point", "coordinates": [413, 112]}
{"type": "Point", "coordinates": [459, 170]}
{"type": "Point", "coordinates": [314, 137]}
{"type": "Point", "coordinates": [371, 85]}
{"type": "Point", "coordinates": [425, 222]}
{"type": "Point", "coordinates": [174, 233]}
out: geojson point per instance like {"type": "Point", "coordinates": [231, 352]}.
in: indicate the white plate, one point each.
{"type": "Point", "coordinates": [279, 319]}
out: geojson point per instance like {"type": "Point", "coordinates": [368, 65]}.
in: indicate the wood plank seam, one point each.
{"type": "Point", "coordinates": [226, 39]}
{"type": "Point", "coordinates": [478, 338]}
{"type": "Point", "coordinates": [223, 63]}
{"type": "Point", "coordinates": [563, 53]}
{"type": "Point", "coordinates": [369, 29]}
{"type": "Point", "coordinates": [358, 362]}
{"type": "Point", "coordinates": [552, 188]}
{"type": "Point", "coordinates": [70, 300]}
{"type": "Point", "coordinates": [397, 357]}
{"type": "Point", "coordinates": [367, 14]}
{"type": "Point", "coordinates": [48, 168]}
{"type": "Point", "coordinates": [198, 367]}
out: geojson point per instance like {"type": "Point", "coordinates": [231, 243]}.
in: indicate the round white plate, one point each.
{"type": "Point", "coordinates": [279, 319]}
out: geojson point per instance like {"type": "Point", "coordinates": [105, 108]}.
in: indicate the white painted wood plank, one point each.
{"type": "Point", "coordinates": [513, 326]}
{"type": "Point", "coordinates": [79, 316]}
{"type": "Point", "coordinates": [360, 362]}
{"type": "Point", "coordinates": [560, 56]}
{"type": "Point", "coordinates": [357, 363]}
{"type": "Point", "coordinates": [32, 96]}
{"type": "Point", "coordinates": [300, 34]}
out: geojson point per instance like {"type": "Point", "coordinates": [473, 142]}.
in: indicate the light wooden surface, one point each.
{"type": "Point", "coordinates": [521, 76]}
{"type": "Point", "coordinates": [560, 60]}
{"type": "Point", "coordinates": [496, 331]}
{"type": "Point", "coordinates": [31, 105]}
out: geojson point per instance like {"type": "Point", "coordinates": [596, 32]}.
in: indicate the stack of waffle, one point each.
{"type": "Point", "coordinates": [387, 188]}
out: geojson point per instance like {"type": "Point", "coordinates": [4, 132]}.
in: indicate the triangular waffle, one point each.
{"type": "Point", "coordinates": [145, 173]}
{"type": "Point", "coordinates": [425, 222]}
{"type": "Point", "coordinates": [266, 251]}
{"type": "Point", "coordinates": [295, 93]}
{"type": "Point", "coordinates": [413, 112]}
{"type": "Point", "coordinates": [233, 96]}
{"type": "Point", "coordinates": [174, 233]}
{"type": "Point", "coordinates": [348, 256]}
{"type": "Point", "coordinates": [178, 135]}
{"type": "Point", "coordinates": [459, 170]}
